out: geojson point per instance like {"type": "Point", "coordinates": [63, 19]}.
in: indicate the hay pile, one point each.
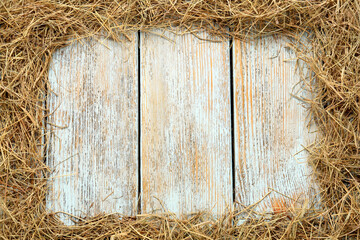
{"type": "Point", "coordinates": [31, 30]}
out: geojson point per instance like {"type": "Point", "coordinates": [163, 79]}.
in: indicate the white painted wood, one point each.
{"type": "Point", "coordinates": [95, 155]}
{"type": "Point", "coordinates": [270, 124]}
{"type": "Point", "coordinates": [185, 124]}
{"type": "Point", "coordinates": [186, 162]}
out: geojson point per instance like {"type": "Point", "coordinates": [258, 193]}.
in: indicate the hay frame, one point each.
{"type": "Point", "coordinates": [30, 32]}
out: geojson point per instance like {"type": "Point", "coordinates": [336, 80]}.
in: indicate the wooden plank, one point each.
{"type": "Point", "coordinates": [185, 124]}
{"type": "Point", "coordinates": [95, 156]}
{"type": "Point", "coordinates": [270, 124]}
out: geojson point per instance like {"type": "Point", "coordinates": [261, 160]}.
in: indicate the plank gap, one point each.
{"type": "Point", "coordinates": [139, 120]}
{"type": "Point", "coordinates": [45, 121]}
{"type": "Point", "coordinates": [232, 116]}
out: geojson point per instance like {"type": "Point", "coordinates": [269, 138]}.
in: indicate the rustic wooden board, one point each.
{"type": "Point", "coordinates": [270, 124]}
{"type": "Point", "coordinates": [185, 124]}
{"type": "Point", "coordinates": [95, 95]}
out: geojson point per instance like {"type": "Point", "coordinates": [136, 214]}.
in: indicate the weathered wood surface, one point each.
{"type": "Point", "coordinates": [95, 97]}
{"type": "Point", "coordinates": [270, 124]}
{"type": "Point", "coordinates": [185, 124]}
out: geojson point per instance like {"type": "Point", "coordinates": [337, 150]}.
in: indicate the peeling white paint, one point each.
{"type": "Point", "coordinates": [270, 125]}
{"type": "Point", "coordinates": [95, 156]}
{"type": "Point", "coordinates": [186, 124]}
{"type": "Point", "coordinates": [186, 162]}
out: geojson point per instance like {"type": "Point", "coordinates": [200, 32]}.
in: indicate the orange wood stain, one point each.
{"type": "Point", "coordinates": [279, 205]}
{"type": "Point", "coordinates": [192, 159]}
{"type": "Point", "coordinates": [270, 126]}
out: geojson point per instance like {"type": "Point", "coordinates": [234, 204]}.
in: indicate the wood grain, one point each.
{"type": "Point", "coordinates": [185, 124]}
{"type": "Point", "coordinates": [95, 152]}
{"type": "Point", "coordinates": [270, 124]}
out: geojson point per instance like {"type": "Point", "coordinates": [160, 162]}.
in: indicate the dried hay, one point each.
{"type": "Point", "coordinates": [31, 30]}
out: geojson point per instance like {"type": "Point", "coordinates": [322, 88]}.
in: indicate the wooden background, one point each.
{"type": "Point", "coordinates": [175, 123]}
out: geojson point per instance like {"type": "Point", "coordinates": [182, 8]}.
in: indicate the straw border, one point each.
{"type": "Point", "coordinates": [30, 31]}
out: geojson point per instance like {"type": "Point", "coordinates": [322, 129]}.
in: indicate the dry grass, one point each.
{"type": "Point", "coordinates": [31, 30]}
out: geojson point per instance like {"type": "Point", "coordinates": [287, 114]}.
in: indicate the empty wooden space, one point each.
{"type": "Point", "coordinates": [95, 152]}
{"type": "Point", "coordinates": [270, 124]}
{"type": "Point", "coordinates": [151, 120]}
{"type": "Point", "coordinates": [185, 124]}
